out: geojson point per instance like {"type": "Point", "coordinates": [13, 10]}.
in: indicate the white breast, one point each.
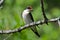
{"type": "Point", "coordinates": [26, 17]}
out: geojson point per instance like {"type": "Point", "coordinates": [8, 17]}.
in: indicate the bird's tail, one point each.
{"type": "Point", "coordinates": [35, 31]}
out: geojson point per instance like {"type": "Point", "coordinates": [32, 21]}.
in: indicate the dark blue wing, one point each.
{"type": "Point", "coordinates": [34, 28]}
{"type": "Point", "coordinates": [31, 16]}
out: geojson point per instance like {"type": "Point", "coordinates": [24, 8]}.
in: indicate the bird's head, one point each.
{"type": "Point", "coordinates": [29, 8]}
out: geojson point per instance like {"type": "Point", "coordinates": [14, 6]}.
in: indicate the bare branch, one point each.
{"type": "Point", "coordinates": [43, 12]}
{"type": "Point", "coordinates": [27, 26]}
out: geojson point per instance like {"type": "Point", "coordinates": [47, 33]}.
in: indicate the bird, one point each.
{"type": "Point", "coordinates": [28, 18]}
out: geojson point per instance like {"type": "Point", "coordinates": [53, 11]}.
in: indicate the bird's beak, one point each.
{"type": "Point", "coordinates": [31, 9]}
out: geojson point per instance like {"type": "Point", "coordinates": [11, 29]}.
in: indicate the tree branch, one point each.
{"type": "Point", "coordinates": [42, 6]}
{"type": "Point", "coordinates": [27, 26]}
{"type": "Point", "coordinates": [43, 12]}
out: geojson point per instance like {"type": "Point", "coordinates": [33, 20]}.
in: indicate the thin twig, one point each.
{"type": "Point", "coordinates": [8, 37]}
{"type": "Point", "coordinates": [43, 11]}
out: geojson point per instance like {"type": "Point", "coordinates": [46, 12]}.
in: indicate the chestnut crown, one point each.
{"type": "Point", "coordinates": [29, 7]}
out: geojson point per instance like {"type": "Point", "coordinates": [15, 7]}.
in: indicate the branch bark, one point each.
{"type": "Point", "coordinates": [43, 12]}
{"type": "Point", "coordinates": [27, 26]}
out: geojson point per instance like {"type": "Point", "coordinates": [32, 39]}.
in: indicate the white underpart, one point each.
{"type": "Point", "coordinates": [26, 17]}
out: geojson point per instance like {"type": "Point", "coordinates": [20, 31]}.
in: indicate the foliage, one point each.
{"type": "Point", "coordinates": [10, 18]}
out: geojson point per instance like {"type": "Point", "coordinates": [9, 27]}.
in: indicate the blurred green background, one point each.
{"type": "Point", "coordinates": [10, 18]}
